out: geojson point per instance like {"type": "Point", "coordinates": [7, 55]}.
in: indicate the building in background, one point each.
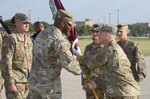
{"type": "Point", "coordinates": [88, 22]}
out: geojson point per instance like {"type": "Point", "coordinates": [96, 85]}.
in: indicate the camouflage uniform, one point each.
{"type": "Point", "coordinates": [90, 50]}
{"type": "Point", "coordinates": [136, 58]}
{"type": "Point", "coordinates": [138, 67]}
{"type": "Point", "coordinates": [133, 52]}
{"type": "Point", "coordinates": [16, 63]}
{"type": "Point", "coordinates": [113, 67]}
{"type": "Point", "coordinates": [1, 79]}
{"type": "Point", "coordinates": [51, 53]}
{"type": "Point", "coordinates": [17, 58]}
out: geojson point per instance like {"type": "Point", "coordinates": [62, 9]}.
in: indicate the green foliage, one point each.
{"type": "Point", "coordinates": [46, 24]}
{"type": "Point", "coordinates": [1, 28]}
{"type": "Point", "coordinates": [31, 28]}
{"type": "Point", "coordinates": [139, 29]}
{"type": "Point", "coordinates": [7, 22]}
{"type": "Point", "coordinates": [83, 42]}
{"type": "Point", "coordinates": [83, 30]}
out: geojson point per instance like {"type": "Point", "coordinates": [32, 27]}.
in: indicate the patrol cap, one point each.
{"type": "Point", "coordinates": [21, 17]}
{"type": "Point", "coordinates": [65, 15]}
{"type": "Point", "coordinates": [122, 27]}
{"type": "Point", "coordinates": [95, 26]}
{"type": "Point", "coordinates": [12, 21]}
{"type": "Point", "coordinates": [106, 28]}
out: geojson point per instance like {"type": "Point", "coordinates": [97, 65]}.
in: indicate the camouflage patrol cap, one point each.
{"type": "Point", "coordinates": [122, 27]}
{"type": "Point", "coordinates": [95, 26]}
{"type": "Point", "coordinates": [65, 15]}
{"type": "Point", "coordinates": [12, 21]}
{"type": "Point", "coordinates": [21, 17]}
{"type": "Point", "coordinates": [106, 28]}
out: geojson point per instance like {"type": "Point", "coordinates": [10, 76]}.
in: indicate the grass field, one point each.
{"type": "Point", "coordinates": [143, 42]}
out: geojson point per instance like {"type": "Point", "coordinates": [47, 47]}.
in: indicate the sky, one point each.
{"type": "Point", "coordinates": [100, 11]}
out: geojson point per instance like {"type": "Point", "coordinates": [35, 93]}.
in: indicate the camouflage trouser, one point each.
{"type": "Point", "coordinates": [124, 97]}
{"type": "Point", "coordinates": [22, 93]}
{"type": "Point", "coordinates": [49, 90]}
{"type": "Point", "coordinates": [35, 95]}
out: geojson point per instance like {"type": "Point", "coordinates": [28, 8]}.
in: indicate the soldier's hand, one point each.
{"type": "Point", "coordinates": [75, 51]}
{"type": "Point", "coordinates": [12, 88]}
{"type": "Point", "coordinates": [92, 84]}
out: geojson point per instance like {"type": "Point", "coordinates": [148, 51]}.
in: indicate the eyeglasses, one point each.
{"type": "Point", "coordinates": [95, 31]}
{"type": "Point", "coordinates": [120, 31]}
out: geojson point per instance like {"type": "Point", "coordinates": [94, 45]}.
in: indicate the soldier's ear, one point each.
{"type": "Point", "coordinates": [62, 24]}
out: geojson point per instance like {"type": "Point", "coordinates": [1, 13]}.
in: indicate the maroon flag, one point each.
{"type": "Point", "coordinates": [73, 34]}
{"type": "Point", "coordinates": [59, 5]}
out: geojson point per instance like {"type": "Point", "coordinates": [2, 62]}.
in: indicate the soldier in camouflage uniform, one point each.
{"type": "Point", "coordinates": [1, 79]}
{"type": "Point", "coordinates": [133, 52]}
{"type": "Point", "coordinates": [90, 50]}
{"type": "Point", "coordinates": [114, 66]}
{"type": "Point", "coordinates": [17, 59]}
{"type": "Point", "coordinates": [51, 54]}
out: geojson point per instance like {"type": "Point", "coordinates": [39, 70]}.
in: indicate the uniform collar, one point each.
{"type": "Point", "coordinates": [20, 37]}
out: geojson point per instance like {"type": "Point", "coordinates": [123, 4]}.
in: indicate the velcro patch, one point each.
{"type": "Point", "coordinates": [68, 53]}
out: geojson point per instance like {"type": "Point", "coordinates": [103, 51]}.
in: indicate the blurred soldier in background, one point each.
{"type": "Point", "coordinates": [133, 52]}
{"type": "Point", "coordinates": [17, 59]}
{"type": "Point", "coordinates": [51, 53]}
{"type": "Point", "coordinates": [38, 27]}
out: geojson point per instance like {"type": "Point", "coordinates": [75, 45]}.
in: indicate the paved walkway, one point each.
{"type": "Point", "coordinates": [72, 88]}
{"type": "Point", "coordinates": [145, 85]}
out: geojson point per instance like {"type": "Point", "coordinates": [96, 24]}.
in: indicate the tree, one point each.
{"type": "Point", "coordinates": [31, 28]}
{"type": "Point", "coordinates": [139, 29]}
{"type": "Point", "coordinates": [83, 30]}
{"type": "Point", "coordinates": [45, 24]}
